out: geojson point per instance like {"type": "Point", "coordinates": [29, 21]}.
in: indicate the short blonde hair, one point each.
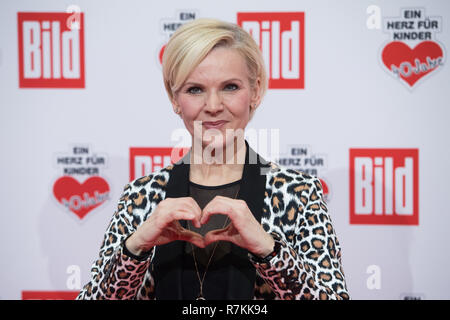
{"type": "Point", "coordinates": [192, 42]}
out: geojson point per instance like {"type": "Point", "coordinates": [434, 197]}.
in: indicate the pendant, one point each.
{"type": "Point", "coordinates": [200, 297]}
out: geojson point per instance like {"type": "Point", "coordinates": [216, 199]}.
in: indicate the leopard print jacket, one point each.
{"type": "Point", "coordinates": [307, 264]}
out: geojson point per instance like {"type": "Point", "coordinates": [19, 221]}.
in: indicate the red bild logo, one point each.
{"type": "Point", "coordinates": [51, 50]}
{"type": "Point", "coordinates": [384, 186]}
{"type": "Point", "coordinates": [49, 295]}
{"type": "Point", "coordinates": [144, 161]}
{"type": "Point", "coordinates": [280, 36]}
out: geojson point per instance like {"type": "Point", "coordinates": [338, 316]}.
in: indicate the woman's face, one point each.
{"type": "Point", "coordinates": [218, 94]}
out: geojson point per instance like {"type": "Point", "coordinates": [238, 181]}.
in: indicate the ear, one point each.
{"type": "Point", "coordinates": [175, 106]}
{"type": "Point", "coordinates": [256, 95]}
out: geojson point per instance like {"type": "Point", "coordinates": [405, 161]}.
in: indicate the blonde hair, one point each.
{"type": "Point", "coordinates": [192, 42]}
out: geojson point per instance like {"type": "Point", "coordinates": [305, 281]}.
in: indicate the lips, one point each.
{"type": "Point", "coordinates": [213, 124]}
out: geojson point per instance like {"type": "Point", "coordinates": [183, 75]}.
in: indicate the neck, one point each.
{"type": "Point", "coordinates": [216, 166]}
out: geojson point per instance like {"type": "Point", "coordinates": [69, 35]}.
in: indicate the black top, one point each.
{"type": "Point", "coordinates": [215, 281]}
{"type": "Point", "coordinates": [167, 263]}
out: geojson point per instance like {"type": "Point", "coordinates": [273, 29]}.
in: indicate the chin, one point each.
{"type": "Point", "coordinates": [214, 141]}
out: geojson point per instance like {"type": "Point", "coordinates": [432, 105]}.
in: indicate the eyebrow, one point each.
{"type": "Point", "coordinates": [223, 82]}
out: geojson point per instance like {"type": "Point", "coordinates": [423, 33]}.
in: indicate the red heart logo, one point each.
{"type": "Point", "coordinates": [81, 198]}
{"type": "Point", "coordinates": [412, 64]}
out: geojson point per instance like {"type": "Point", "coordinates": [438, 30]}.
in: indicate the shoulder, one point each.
{"type": "Point", "coordinates": [291, 198]}
{"type": "Point", "coordinates": [291, 193]}
{"type": "Point", "coordinates": [293, 201]}
{"type": "Point", "coordinates": [147, 187]}
{"type": "Point", "coordinates": [292, 181]}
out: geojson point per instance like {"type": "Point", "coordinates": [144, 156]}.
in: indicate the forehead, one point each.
{"type": "Point", "coordinates": [219, 65]}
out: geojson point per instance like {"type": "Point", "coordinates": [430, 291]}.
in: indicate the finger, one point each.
{"type": "Point", "coordinates": [217, 235]}
{"type": "Point", "coordinates": [183, 214]}
{"type": "Point", "coordinates": [180, 214]}
{"type": "Point", "coordinates": [197, 211]}
{"type": "Point", "coordinates": [212, 237]}
{"type": "Point", "coordinates": [188, 203]}
{"type": "Point", "coordinates": [192, 237]}
{"type": "Point", "coordinates": [216, 206]}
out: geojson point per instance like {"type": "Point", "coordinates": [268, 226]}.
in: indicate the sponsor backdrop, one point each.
{"type": "Point", "coordinates": [358, 95]}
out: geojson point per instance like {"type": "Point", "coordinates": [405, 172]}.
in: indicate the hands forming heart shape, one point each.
{"type": "Point", "coordinates": [163, 226]}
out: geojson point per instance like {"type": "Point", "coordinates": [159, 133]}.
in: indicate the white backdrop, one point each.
{"type": "Point", "coordinates": [350, 100]}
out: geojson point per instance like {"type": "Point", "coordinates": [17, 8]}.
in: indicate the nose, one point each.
{"type": "Point", "coordinates": [213, 102]}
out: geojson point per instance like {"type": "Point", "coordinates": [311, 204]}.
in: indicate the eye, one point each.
{"type": "Point", "coordinates": [231, 87]}
{"type": "Point", "coordinates": [194, 90]}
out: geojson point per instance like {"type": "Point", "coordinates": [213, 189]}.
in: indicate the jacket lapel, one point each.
{"type": "Point", "coordinates": [241, 273]}
{"type": "Point", "coordinates": [253, 182]}
{"type": "Point", "coordinates": [168, 258]}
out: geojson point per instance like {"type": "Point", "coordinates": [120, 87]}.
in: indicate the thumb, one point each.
{"type": "Point", "coordinates": [192, 237]}
{"type": "Point", "coordinates": [216, 235]}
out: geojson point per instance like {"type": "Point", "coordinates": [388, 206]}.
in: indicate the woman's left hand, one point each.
{"type": "Point", "coordinates": [244, 230]}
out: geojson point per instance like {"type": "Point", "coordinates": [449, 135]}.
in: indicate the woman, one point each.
{"type": "Point", "coordinates": [222, 223]}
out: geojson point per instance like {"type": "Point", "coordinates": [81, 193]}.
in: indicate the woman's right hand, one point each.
{"type": "Point", "coordinates": [163, 226]}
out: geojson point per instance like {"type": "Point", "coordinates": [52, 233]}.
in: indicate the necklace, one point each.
{"type": "Point", "coordinates": [201, 280]}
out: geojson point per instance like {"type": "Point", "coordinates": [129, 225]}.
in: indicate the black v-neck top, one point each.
{"type": "Point", "coordinates": [215, 281]}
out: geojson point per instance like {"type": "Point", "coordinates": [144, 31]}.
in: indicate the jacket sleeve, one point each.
{"type": "Point", "coordinates": [306, 262]}
{"type": "Point", "coordinates": [117, 274]}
